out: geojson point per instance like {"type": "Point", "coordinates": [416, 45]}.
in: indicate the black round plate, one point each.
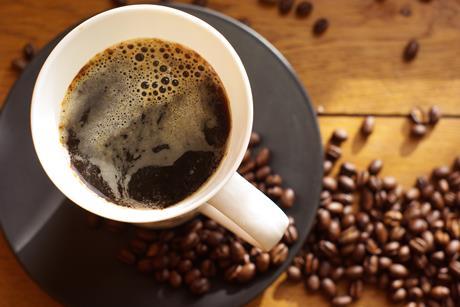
{"type": "Point", "coordinates": [76, 265]}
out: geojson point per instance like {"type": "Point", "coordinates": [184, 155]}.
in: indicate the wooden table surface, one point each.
{"type": "Point", "coordinates": [352, 70]}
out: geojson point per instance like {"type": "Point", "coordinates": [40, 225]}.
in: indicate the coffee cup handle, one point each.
{"type": "Point", "coordinates": [247, 212]}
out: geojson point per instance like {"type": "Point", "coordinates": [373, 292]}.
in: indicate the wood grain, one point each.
{"type": "Point", "coordinates": [355, 68]}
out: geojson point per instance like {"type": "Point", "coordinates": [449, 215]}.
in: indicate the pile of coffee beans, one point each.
{"type": "Point", "coordinates": [422, 121]}
{"type": "Point", "coordinates": [369, 230]}
{"type": "Point", "coordinates": [20, 63]}
{"type": "Point", "coordinates": [194, 254]}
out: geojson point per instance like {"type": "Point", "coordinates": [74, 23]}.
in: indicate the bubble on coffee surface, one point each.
{"type": "Point", "coordinates": [145, 122]}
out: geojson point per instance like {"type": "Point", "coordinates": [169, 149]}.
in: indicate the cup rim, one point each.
{"type": "Point", "coordinates": [191, 202]}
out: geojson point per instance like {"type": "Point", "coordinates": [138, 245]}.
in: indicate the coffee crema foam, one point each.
{"type": "Point", "coordinates": [145, 122]}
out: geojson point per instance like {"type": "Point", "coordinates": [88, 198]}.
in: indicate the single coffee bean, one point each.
{"type": "Point", "coordinates": [389, 183]}
{"type": "Point", "coordinates": [175, 279]}
{"type": "Point", "coordinates": [452, 248]}
{"type": "Point", "coordinates": [138, 246]}
{"type": "Point", "coordinates": [411, 50]}
{"type": "Point", "coordinates": [320, 26]}
{"type": "Point", "coordinates": [346, 184]}
{"type": "Point", "coordinates": [348, 169]}
{"type": "Point", "coordinates": [328, 249]}
{"type": "Point", "coordinates": [294, 273]}
{"type": "Point", "coordinates": [262, 262]}
{"type": "Point", "coordinates": [126, 257]}
{"type": "Point", "coordinates": [355, 289]}
{"type": "Point", "coordinates": [191, 276]}
{"type": "Point", "coordinates": [162, 275]}
{"type": "Point", "coordinates": [367, 127]}
{"type": "Point", "coordinates": [285, 6]}
{"type": "Point", "coordinates": [381, 233]}
{"type": "Point", "coordinates": [354, 272]}
{"type": "Point", "coordinates": [200, 286]}
{"type": "Point", "coordinates": [327, 167]}
{"type": "Point", "coordinates": [418, 226]}
{"type": "Point", "coordinates": [398, 270]}
{"type": "Point", "coordinates": [399, 295]}
{"type": "Point", "coordinates": [454, 267]}
{"type": "Point", "coordinates": [208, 268]}
{"type": "Point", "coordinates": [339, 136]}
{"type": "Point", "coordinates": [417, 116]}
{"type": "Point", "coordinates": [333, 152]}
{"type": "Point", "coordinates": [375, 167]}
{"type": "Point", "coordinates": [237, 251]}
{"type": "Point", "coordinates": [279, 254]}
{"type": "Point", "coordinates": [254, 140]}
{"type": "Point", "coordinates": [323, 218]}
{"type": "Point", "coordinates": [367, 200]}
{"type": "Point", "coordinates": [441, 172]}
{"type": "Point", "coordinates": [273, 180]}
{"type": "Point", "coordinates": [325, 269]}
{"type": "Point", "coordinates": [232, 272]}
{"type": "Point", "coordinates": [304, 9]}
{"type": "Point", "coordinates": [184, 266]}
{"type": "Point", "coordinates": [190, 241]}
{"type": "Point", "coordinates": [247, 272]}
{"type": "Point", "coordinates": [434, 114]}
{"type": "Point", "coordinates": [337, 273]}
{"type": "Point", "coordinates": [247, 167]}
{"type": "Point", "coordinates": [385, 263]}
{"type": "Point", "coordinates": [287, 198]}
{"type": "Point", "coordinates": [439, 292]}
{"type": "Point", "coordinates": [329, 288]}
{"type": "Point", "coordinates": [374, 183]}
{"type": "Point", "coordinates": [404, 253]}
{"type": "Point", "coordinates": [342, 300]}
{"type": "Point", "coordinates": [250, 176]}
{"type": "Point", "coordinates": [418, 131]}
{"type": "Point", "coordinates": [263, 172]}
{"type": "Point", "coordinates": [418, 245]}
{"type": "Point", "coordinates": [290, 235]}
{"type": "Point", "coordinates": [313, 283]}
{"type": "Point", "coordinates": [263, 157]}
{"type": "Point", "coordinates": [348, 220]}
{"type": "Point", "coordinates": [247, 156]}
{"type": "Point", "coordinates": [275, 192]}
{"type": "Point", "coordinates": [28, 51]}
{"type": "Point", "coordinates": [393, 218]}
{"type": "Point", "coordinates": [349, 235]}
{"type": "Point", "coordinates": [329, 183]}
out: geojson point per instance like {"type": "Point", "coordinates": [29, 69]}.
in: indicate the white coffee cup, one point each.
{"type": "Point", "coordinates": [226, 197]}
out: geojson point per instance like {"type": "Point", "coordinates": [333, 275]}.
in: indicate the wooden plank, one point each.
{"type": "Point", "coordinates": [355, 67]}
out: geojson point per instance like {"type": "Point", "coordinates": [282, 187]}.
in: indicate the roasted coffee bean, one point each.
{"type": "Point", "coordinates": [367, 127]}
{"type": "Point", "coordinates": [255, 137]}
{"type": "Point", "coordinates": [355, 289]}
{"type": "Point", "coordinates": [294, 273]}
{"type": "Point", "coordinates": [232, 272]}
{"type": "Point", "coordinates": [389, 183]}
{"type": "Point", "coordinates": [175, 279]}
{"type": "Point", "coordinates": [323, 218]}
{"type": "Point", "coordinates": [354, 272]}
{"type": "Point", "coordinates": [439, 292]}
{"type": "Point", "coordinates": [454, 267]}
{"type": "Point", "coordinates": [324, 269]}
{"type": "Point", "coordinates": [371, 265]}
{"type": "Point", "coordinates": [393, 218]}
{"type": "Point", "coordinates": [397, 233]}
{"type": "Point", "coordinates": [418, 226]}
{"type": "Point", "coordinates": [404, 253]}
{"type": "Point", "coordinates": [162, 275]}
{"type": "Point", "coordinates": [411, 50]}
{"type": "Point", "coordinates": [418, 245]}
{"type": "Point", "coordinates": [262, 262]}
{"type": "Point", "coordinates": [126, 257]}
{"type": "Point", "coordinates": [374, 183]}
{"type": "Point", "coordinates": [346, 184]}
{"type": "Point", "coordinates": [208, 268]}
{"type": "Point", "coordinates": [348, 169]}
{"type": "Point", "coordinates": [237, 251]}
{"type": "Point", "coordinates": [275, 192]}
{"type": "Point", "coordinates": [200, 286]}
{"type": "Point", "coordinates": [279, 254]}
{"type": "Point", "coordinates": [320, 26]}
{"type": "Point", "coordinates": [327, 167]}
{"type": "Point", "coordinates": [263, 172]}
{"type": "Point", "coordinates": [290, 235]}
{"type": "Point", "coordinates": [348, 220]}
{"type": "Point", "coordinates": [28, 51]}
{"type": "Point", "coordinates": [333, 152]}
{"type": "Point", "coordinates": [452, 248]}
{"type": "Point", "coordinates": [337, 273]}
{"type": "Point", "coordinates": [328, 249]}
{"type": "Point", "coordinates": [385, 263]}
{"type": "Point", "coordinates": [247, 156]}
{"type": "Point", "coordinates": [349, 235]}
{"type": "Point", "coordinates": [313, 283]}
{"type": "Point", "coordinates": [304, 9]}
{"type": "Point", "coordinates": [381, 233]}
{"type": "Point", "coordinates": [339, 136]}
{"type": "Point", "coordinates": [190, 241]}
{"type": "Point", "coordinates": [273, 180]}
{"type": "Point", "coordinates": [441, 172]}
{"type": "Point", "coordinates": [342, 300]}
{"type": "Point", "coordinates": [328, 287]}
{"type": "Point", "coordinates": [434, 114]}
{"type": "Point", "coordinates": [285, 6]}
{"type": "Point", "coordinates": [375, 167]}
{"type": "Point", "coordinates": [247, 272]}
{"type": "Point", "coordinates": [191, 276]}
{"type": "Point", "coordinates": [247, 167]}
{"type": "Point", "coordinates": [418, 130]}
{"type": "Point", "coordinates": [399, 295]}
{"type": "Point", "coordinates": [214, 238]}
{"type": "Point", "coordinates": [398, 270]}
{"type": "Point", "coordinates": [263, 157]}
{"type": "Point", "coordinates": [329, 183]}
{"type": "Point", "coordinates": [417, 116]}
{"type": "Point", "coordinates": [138, 246]}
{"type": "Point", "coordinates": [362, 179]}
{"type": "Point", "coordinates": [287, 198]}
{"type": "Point", "coordinates": [311, 264]}
{"type": "Point", "coordinates": [184, 266]}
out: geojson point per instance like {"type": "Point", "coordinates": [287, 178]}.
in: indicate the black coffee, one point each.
{"type": "Point", "coordinates": [146, 123]}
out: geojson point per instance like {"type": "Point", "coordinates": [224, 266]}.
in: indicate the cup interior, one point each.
{"type": "Point", "coordinates": [95, 35]}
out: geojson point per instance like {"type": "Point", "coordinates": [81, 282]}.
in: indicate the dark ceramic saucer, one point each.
{"type": "Point", "coordinates": [76, 265]}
